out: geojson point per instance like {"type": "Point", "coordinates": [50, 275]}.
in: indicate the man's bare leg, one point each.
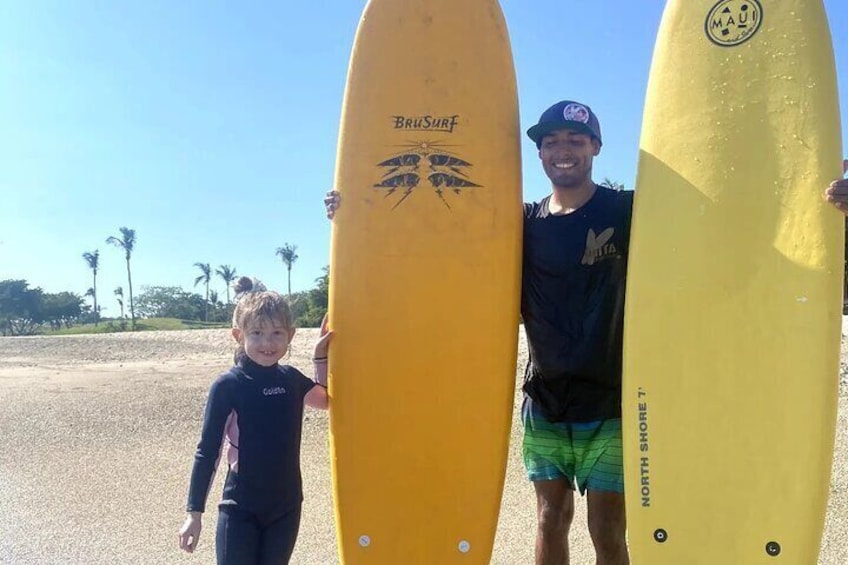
{"type": "Point", "coordinates": [554, 513]}
{"type": "Point", "coordinates": [607, 526]}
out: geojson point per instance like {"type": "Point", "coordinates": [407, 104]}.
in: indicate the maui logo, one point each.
{"type": "Point", "coordinates": [273, 391]}
{"type": "Point", "coordinates": [598, 247]}
{"type": "Point", "coordinates": [445, 172]}
{"type": "Point", "coordinates": [732, 22]}
{"type": "Point", "coordinates": [426, 123]}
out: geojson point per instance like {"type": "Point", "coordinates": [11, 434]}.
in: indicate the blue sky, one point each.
{"type": "Point", "coordinates": [210, 127]}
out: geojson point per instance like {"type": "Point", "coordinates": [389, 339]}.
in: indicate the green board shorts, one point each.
{"type": "Point", "coordinates": [586, 454]}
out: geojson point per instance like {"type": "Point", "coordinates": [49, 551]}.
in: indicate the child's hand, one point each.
{"type": "Point", "coordinates": [323, 343]}
{"type": "Point", "coordinates": [190, 532]}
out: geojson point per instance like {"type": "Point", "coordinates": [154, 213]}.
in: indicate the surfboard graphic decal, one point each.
{"type": "Point", "coordinates": [447, 171]}
{"type": "Point", "coordinates": [733, 22]}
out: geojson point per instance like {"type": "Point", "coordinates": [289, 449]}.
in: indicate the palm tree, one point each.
{"type": "Point", "coordinates": [119, 293]}
{"type": "Point", "coordinates": [229, 275]}
{"type": "Point", "coordinates": [90, 293]}
{"type": "Point", "coordinates": [609, 183]}
{"type": "Point", "coordinates": [215, 303]}
{"type": "Point", "coordinates": [127, 243]}
{"type": "Point", "coordinates": [288, 255]}
{"type": "Point", "coordinates": [93, 260]}
{"type": "Point", "coordinates": [205, 277]}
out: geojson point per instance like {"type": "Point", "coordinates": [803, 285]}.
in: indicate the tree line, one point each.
{"type": "Point", "coordinates": [26, 311]}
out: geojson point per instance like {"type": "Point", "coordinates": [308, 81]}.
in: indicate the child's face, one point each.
{"type": "Point", "coordinates": [264, 341]}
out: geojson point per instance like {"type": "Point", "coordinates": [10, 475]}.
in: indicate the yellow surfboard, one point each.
{"type": "Point", "coordinates": [424, 283]}
{"type": "Point", "coordinates": [732, 320]}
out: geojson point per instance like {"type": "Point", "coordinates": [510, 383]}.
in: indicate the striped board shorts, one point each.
{"type": "Point", "coordinates": [587, 454]}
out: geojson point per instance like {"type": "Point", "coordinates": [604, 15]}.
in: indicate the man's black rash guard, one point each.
{"type": "Point", "coordinates": [572, 304]}
{"type": "Point", "coordinates": [259, 412]}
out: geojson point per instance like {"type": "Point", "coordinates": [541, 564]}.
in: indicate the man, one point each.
{"type": "Point", "coordinates": [575, 261]}
{"type": "Point", "coordinates": [576, 243]}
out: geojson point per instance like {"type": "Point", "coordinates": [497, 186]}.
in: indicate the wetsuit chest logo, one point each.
{"type": "Point", "coordinates": [599, 246]}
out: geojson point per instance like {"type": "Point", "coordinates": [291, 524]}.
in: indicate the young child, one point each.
{"type": "Point", "coordinates": [257, 408]}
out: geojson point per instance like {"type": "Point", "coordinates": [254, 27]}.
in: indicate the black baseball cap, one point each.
{"type": "Point", "coordinates": [567, 114]}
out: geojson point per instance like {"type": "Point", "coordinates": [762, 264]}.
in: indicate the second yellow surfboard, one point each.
{"type": "Point", "coordinates": [732, 321]}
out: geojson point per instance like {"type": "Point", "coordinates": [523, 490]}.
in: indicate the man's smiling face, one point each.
{"type": "Point", "coordinates": [567, 156]}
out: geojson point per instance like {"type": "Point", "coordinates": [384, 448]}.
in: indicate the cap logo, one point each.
{"type": "Point", "coordinates": [576, 113]}
{"type": "Point", "coordinates": [733, 22]}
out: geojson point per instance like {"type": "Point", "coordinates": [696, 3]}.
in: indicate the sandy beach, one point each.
{"type": "Point", "coordinates": [100, 432]}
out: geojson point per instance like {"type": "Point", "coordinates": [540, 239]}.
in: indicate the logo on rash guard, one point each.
{"type": "Point", "coordinates": [598, 246]}
{"type": "Point", "coordinates": [273, 391]}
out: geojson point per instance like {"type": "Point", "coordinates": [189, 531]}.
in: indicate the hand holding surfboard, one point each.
{"type": "Point", "coordinates": [837, 192]}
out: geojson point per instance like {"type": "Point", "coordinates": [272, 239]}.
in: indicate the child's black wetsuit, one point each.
{"type": "Point", "coordinates": [259, 412]}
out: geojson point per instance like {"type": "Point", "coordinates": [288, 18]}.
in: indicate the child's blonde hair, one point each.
{"type": "Point", "coordinates": [254, 302]}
